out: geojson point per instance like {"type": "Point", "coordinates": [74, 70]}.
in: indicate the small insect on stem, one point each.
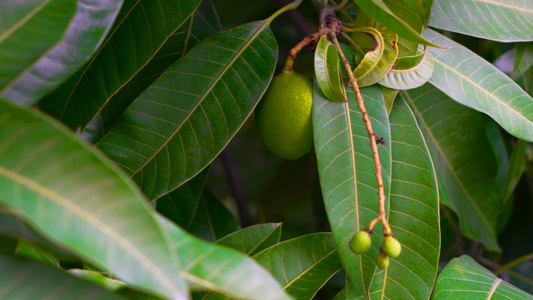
{"type": "Point", "coordinates": [379, 141]}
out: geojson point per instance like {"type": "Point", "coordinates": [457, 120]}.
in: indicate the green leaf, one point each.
{"type": "Point", "coordinates": [69, 188]}
{"type": "Point", "coordinates": [465, 165]}
{"type": "Point", "coordinates": [516, 167]}
{"type": "Point", "coordinates": [141, 29]}
{"type": "Point", "coordinates": [181, 204]}
{"type": "Point", "coordinates": [381, 12]}
{"type": "Point", "coordinates": [350, 292]}
{"type": "Point", "coordinates": [181, 123]}
{"type": "Point", "coordinates": [327, 71]}
{"type": "Point", "coordinates": [413, 213]}
{"type": "Point", "coordinates": [302, 265]}
{"type": "Point", "coordinates": [28, 29]}
{"type": "Point", "coordinates": [474, 82]}
{"type": "Point", "coordinates": [463, 278]}
{"type": "Point", "coordinates": [523, 59]}
{"type": "Point", "coordinates": [383, 41]}
{"type": "Point", "coordinates": [221, 269]}
{"type": "Point", "coordinates": [346, 169]}
{"type": "Point", "coordinates": [83, 36]}
{"type": "Point", "coordinates": [251, 240]}
{"type": "Point", "coordinates": [97, 278]}
{"type": "Point", "coordinates": [27, 279]}
{"type": "Point", "coordinates": [504, 21]}
{"type": "Point", "coordinates": [212, 220]}
{"type": "Point", "coordinates": [409, 72]}
{"type": "Point", "coordinates": [389, 95]}
{"type": "Point", "coordinates": [29, 251]}
{"type": "Point", "coordinates": [422, 8]}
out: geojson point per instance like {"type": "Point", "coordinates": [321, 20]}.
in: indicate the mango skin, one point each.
{"type": "Point", "coordinates": [284, 116]}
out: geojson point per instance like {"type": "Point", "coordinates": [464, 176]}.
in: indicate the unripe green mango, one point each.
{"type": "Point", "coordinates": [360, 242]}
{"type": "Point", "coordinates": [284, 116]}
{"type": "Point", "coordinates": [391, 246]}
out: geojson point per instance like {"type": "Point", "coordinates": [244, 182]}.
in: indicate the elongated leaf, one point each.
{"type": "Point", "coordinates": [409, 72]}
{"type": "Point", "coordinates": [516, 167]}
{"type": "Point", "coordinates": [346, 168]}
{"type": "Point", "coordinates": [381, 12]}
{"type": "Point", "coordinates": [389, 95]}
{"type": "Point", "coordinates": [76, 198]}
{"type": "Point", "coordinates": [253, 239]}
{"type": "Point", "coordinates": [327, 71]}
{"type": "Point", "coordinates": [24, 279]}
{"type": "Point", "coordinates": [200, 25]}
{"type": "Point", "coordinates": [523, 59]}
{"type": "Point", "coordinates": [212, 220]}
{"type": "Point", "coordinates": [465, 165]}
{"type": "Point", "coordinates": [221, 269]}
{"type": "Point", "coordinates": [474, 82]}
{"type": "Point", "coordinates": [350, 292]}
{"type": "Point", "coordinates": [371, 58]}
{"type": "Point", "coordinates": [463, 278]}
{"type": "Point", "coordinates": [504, 21]}
{"type": "Point", "coordinates": [414, 212]}
{"type": "Point", "coordinates": [181, 123]}
{"type": "Point", "coordinates": [422, 8]}
{"type": "Point", "coordinates": [29, 251]}
{"type": "Point", "coordinates": [140, 30]}
{"type": "Point", "coordinates": [84, 35]}
{"type": "Point", "coordinates": [181, 204]}
{"type": "Point", "coordinates": [302, 265]}
{"type": "Point", "coordinates": [97, 278]}
{"type": "Point", "coordinates": [27, 30]}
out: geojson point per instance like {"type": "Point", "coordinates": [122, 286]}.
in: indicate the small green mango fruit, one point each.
{"type": "Point", "coordinates": [391, 246]}
{"type": "Point", "coordinates": [360, 242]}
{"type": "Point", "coordinates": [382, 260]}
{"type": "Point", "coordinates": [284, 116]}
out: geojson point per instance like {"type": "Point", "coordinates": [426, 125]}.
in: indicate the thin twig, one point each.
{"type": "Point", "coordinates": [373, 143]}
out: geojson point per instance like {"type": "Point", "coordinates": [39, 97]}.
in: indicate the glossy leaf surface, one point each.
{"type": "Point", "coordinates": [346, 169]}
{"type": "Point", "coordinates": [413, 213]}
{"type": "Point", "coordinates": [177, 127]}
{"type": "Point", "coordinates": [371, 57]}
{"type": "Point", "coordinates": [465, 165]}
{"type": "Point", "coordinates": [221, 269]}
{"type": "Point", "coordinates": [83, 36]}
{"type": "Point", "coordinates": [141, 29]}
{"type": "Point", "coordinates": [327, 71]}
{"type": "Point", "coordinates": [302, 265]}
{"type": "Point", "coordinates": [409, 72]}
{"type": "Point", "coordinates": [474, 82]}
{"type": "Point", "coordinates": [31, 280]}
{"type": "Point", "coordinates": [43, 20]}
{"type": "Point", "coordinates": [464, 278]}
{"type": "Point", "coordinates": [253, 239]}
{"type": "Point", "coordinates": [42, 163]}
{"type": "Point", "coordinates": [505, 21]}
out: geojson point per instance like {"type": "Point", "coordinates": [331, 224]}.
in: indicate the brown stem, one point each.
{"type": "Point", "coordinates": [371, 136]}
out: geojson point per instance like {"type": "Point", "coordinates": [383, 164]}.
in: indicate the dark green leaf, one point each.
{"type": "Point", "coordinates": [253, 239]}
{"type": "Point", "coordinates": [350, 292]}
{"type": "Point", "coordinates": [347, 171]}
{"type": "Point", "coordinates": [463, 278]}
{"type": "Point", "coordinates": [465, 165]}
{"type": "Point", "coordinates": [29, 251]}
{"type": "Point", "coordinates": [327, 71]}
{"type": "Point", "coordinates": [31, 280]}
{"type": "Point", "coordinates": [69, 188]}
{"type": "Point", "coordinates": [523, 59]}
{"type": "Point", "coordinates": [221, 269]}
{"type": "Point", "coordinates": [181, 123]}
{"type": "Point", "coordinates": [504, 21]}
{"type": "Point", "coordinates": [389, 95]}
{"type": "Point", "coordinates": [28, 29]}
{"type": "Point", "coordinates": [140, 31]}
{"type": "Point", "coordinates": [85, 33]}
{"type": "Point", "coordinates": [474, 82]}
{"type": "Point", "coordinates": [516, 167]}
{"type": "Point", "coordinates": [302, 265]}
{"type": "Point", "coordinates": [422, 8]}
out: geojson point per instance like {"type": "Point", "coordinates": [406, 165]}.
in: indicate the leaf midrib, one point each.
{"type": "Point", "coordinates": [24, 20]}
{"type": "Point", "coordinates": [202, 97]}
{"type": "Point", "coordinates": [91, 219]}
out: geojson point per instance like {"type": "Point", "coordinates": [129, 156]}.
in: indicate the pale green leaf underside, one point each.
{"type": "Point", "coordinates": [501, 20]}
{"type": "Point", "coordinates": [409, 77]}
{"type": "Point", "coordinates": [346, 169]}
{"type": "Point", "coordinates": [474, 82]}
{"type": "Point", "coordinates": [180, 124]}
{"type": "Point", "coordinates": [25, 279]}
{"type": "Point", "coordinates": [84, 34]}
{"type": "Point", "coordinates": [465, 165]}
{"type": "Point", "coordinates": [68, 188]}
{"type": "Point", "coordinates": [302, 265]}
{"type": "Point", "coordinates": [464, 278]}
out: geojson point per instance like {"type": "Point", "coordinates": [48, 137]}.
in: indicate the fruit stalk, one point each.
{"type": "Point", "coordinates": [371, 135]}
